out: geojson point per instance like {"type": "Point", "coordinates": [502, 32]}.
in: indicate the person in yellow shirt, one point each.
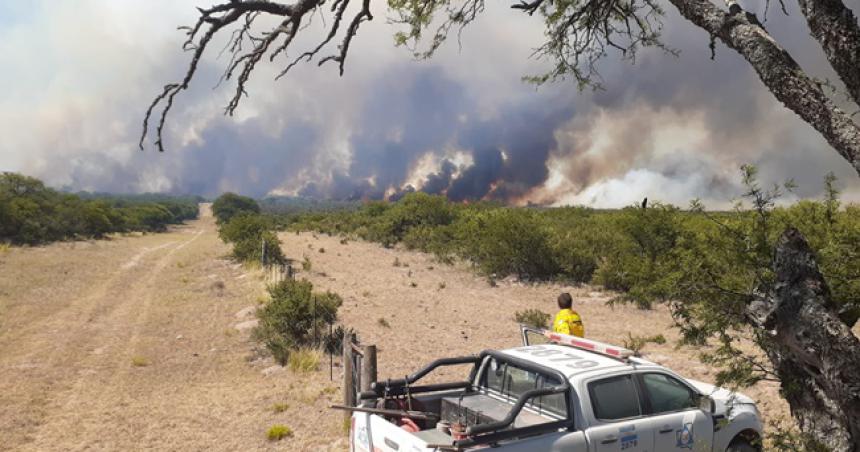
{"type": "Point", "coordinates": [567, 321]}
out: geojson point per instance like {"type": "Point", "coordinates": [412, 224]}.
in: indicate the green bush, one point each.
{"type": "Point", "coordinates": [279, 432]}
{"type": "Point", "coordinates": [295, 317]}
{"type": "Point", "coordinates": [509, 241]}
{"type": "Point", "coordinates": [229, 205]}
{"type": "Point", "coordinates": [532, 317]}
{"type": "Point", "coordinates": [642, 261]}
{"type": "Point", "coordinates": [248, 233]}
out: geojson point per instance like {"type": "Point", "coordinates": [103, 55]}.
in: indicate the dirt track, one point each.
{"type": "Point", "coordinates": [75, 316]}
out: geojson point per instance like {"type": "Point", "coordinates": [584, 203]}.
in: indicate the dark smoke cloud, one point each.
{"type": "Point", "coordinates": [667, 128]}
{"type": "Point", "coordinates": [438, 183]}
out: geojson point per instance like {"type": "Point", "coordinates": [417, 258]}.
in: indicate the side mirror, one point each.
{"type": "Point", "coordinates": [707, 404]}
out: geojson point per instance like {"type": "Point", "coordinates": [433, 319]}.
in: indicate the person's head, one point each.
{"type": "Point", "coordinates": [565, 301]}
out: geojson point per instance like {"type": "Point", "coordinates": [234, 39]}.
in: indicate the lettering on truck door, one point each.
{"type": "Point", "coordinates": [677, 421]}
{"type": "Point", "coordinates": [618, 422]}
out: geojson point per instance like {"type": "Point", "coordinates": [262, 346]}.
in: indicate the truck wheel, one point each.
{"type": "Point", "coordinates": [741, 445]}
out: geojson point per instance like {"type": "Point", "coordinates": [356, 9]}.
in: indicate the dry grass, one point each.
{"type": "Point", "coordinates": [140, 361]}
{"type": "Point", "coordinates": [4, 248]}
{"type": "Point", "coordinates": [304, 360]}
{"type": "Point", "coordinates": [280, 407]}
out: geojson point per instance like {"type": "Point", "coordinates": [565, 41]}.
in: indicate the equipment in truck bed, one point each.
{"type": "Point", "coordinates": [475, 409]}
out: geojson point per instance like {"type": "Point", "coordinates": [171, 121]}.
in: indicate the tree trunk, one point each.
{"type": "Point", "coordinates": [779, 72]}
{"type": "Point", "coordinates": [815, 354]}
{"type": "Point", "coordinates": [834, 26]}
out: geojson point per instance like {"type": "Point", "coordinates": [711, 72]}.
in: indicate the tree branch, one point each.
{"type": "Point", "coordinates": [243, 62]}
{"type": "Point", "coordinates": [836, 29]}
{"type": "Point", "coordinates": [779, 72]}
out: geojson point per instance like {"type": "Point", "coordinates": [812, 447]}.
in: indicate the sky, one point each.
{"type": "Point", "coordinates": [79, 75]}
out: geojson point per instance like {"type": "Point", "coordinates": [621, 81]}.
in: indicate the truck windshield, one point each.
{"type": "Point", "coordinates": [509, 381]}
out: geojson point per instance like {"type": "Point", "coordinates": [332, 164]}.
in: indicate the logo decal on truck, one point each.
{"type": "Point", "coordinates": [629, 437]}
{"type": "Point", "coordinates": [571, 360]}
{"type": "Point", "coordinates": [685, 436]}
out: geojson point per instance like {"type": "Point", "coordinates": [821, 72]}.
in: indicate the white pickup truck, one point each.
{"type": "Point", "coordinates": [558, 393]}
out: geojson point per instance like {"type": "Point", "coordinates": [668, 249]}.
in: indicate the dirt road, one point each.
{"type": "Point", "coordinates": [130, 344]}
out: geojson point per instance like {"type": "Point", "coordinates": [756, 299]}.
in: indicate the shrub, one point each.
{"type": "Point", "coordinates": [304, 360]}
{"type": "Point", "coordinates": [295, 317]}
{"type": "Point", "coordinates": [251, 236]}
{"type": "Point", "coordinates": [532, 317]}
{"type": "Point", "coordinates": [243, 225]}
{"type": "Point", "coordinates": [333, 343]}
{"type": "Point", "coordinates": [228, 205]}
{"type": "Point", "coordinates": [637, 343]}
{"type": "Point", "coordinates": [278, 432]}
{"type": "Point", "coordinates": [643, 262]}
{"type": "Point", "coordinates": [509, 241]}
{"type": "Point", "coordinates": [280, 407]}
{"type": "Point", "coordinates": [412, 211]}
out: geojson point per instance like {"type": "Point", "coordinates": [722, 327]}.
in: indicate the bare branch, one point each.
{"type": "Point", "coordinates": [243, 62]}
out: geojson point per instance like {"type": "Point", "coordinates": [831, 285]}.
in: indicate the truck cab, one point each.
{"type": "Point", "coordinates": [554, 393]}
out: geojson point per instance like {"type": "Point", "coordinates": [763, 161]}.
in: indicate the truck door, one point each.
{"type": "Point", "coordinates": [677, 422]}
{"type": "Point", "coordinates": [618, 413]}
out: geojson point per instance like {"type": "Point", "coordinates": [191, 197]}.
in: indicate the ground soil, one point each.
{"type": "Point", "coordinates": [132, 343]}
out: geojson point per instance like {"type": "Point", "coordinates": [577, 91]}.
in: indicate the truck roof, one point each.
{"type": "Point", "coordinates": [574, 362]}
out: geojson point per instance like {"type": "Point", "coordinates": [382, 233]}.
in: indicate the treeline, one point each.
{"type": "Point", "coordinates": [648, 255]}
{"type": "Point", "coordinates": [32, 214]}
{"type": "Point", "coordinates": [284, 206]}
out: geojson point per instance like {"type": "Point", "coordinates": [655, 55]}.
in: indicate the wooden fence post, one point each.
{"type": "Point", "coordinates": [348, 388]}
{"type": "Point", "coordinates": [368, 367]}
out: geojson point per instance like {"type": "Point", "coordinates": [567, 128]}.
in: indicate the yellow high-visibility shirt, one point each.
{"type": "Point", "coordinates": [568, 321]}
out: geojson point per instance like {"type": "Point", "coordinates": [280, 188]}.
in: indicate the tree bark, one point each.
{"type": "Point", "coordinates": [779, 72]}
{"type": "Point", "coordinates": [834, 26]}
{"type": "Point", "coordinates": [815, 355]}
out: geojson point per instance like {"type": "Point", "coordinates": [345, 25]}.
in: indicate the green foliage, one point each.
{"type": "Point", "coordinates": [637, 343]}
{"type": "Point", "coordinates": [31, 213]}
{"type": "Point", "coordinates": [252, 235]}
{"type": "Point", "coordinates": [640, 263]}
{"type": "Point", "coordinates": [279, 432]}
{"type": "Point", "coordinates": [509, 241]}
{"type": "Point", "coordinates": [295, 317]}
{"type": "Point", "coordinates": [229, 205]}
{"type": "Point", "coordinates": [532, 317]}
